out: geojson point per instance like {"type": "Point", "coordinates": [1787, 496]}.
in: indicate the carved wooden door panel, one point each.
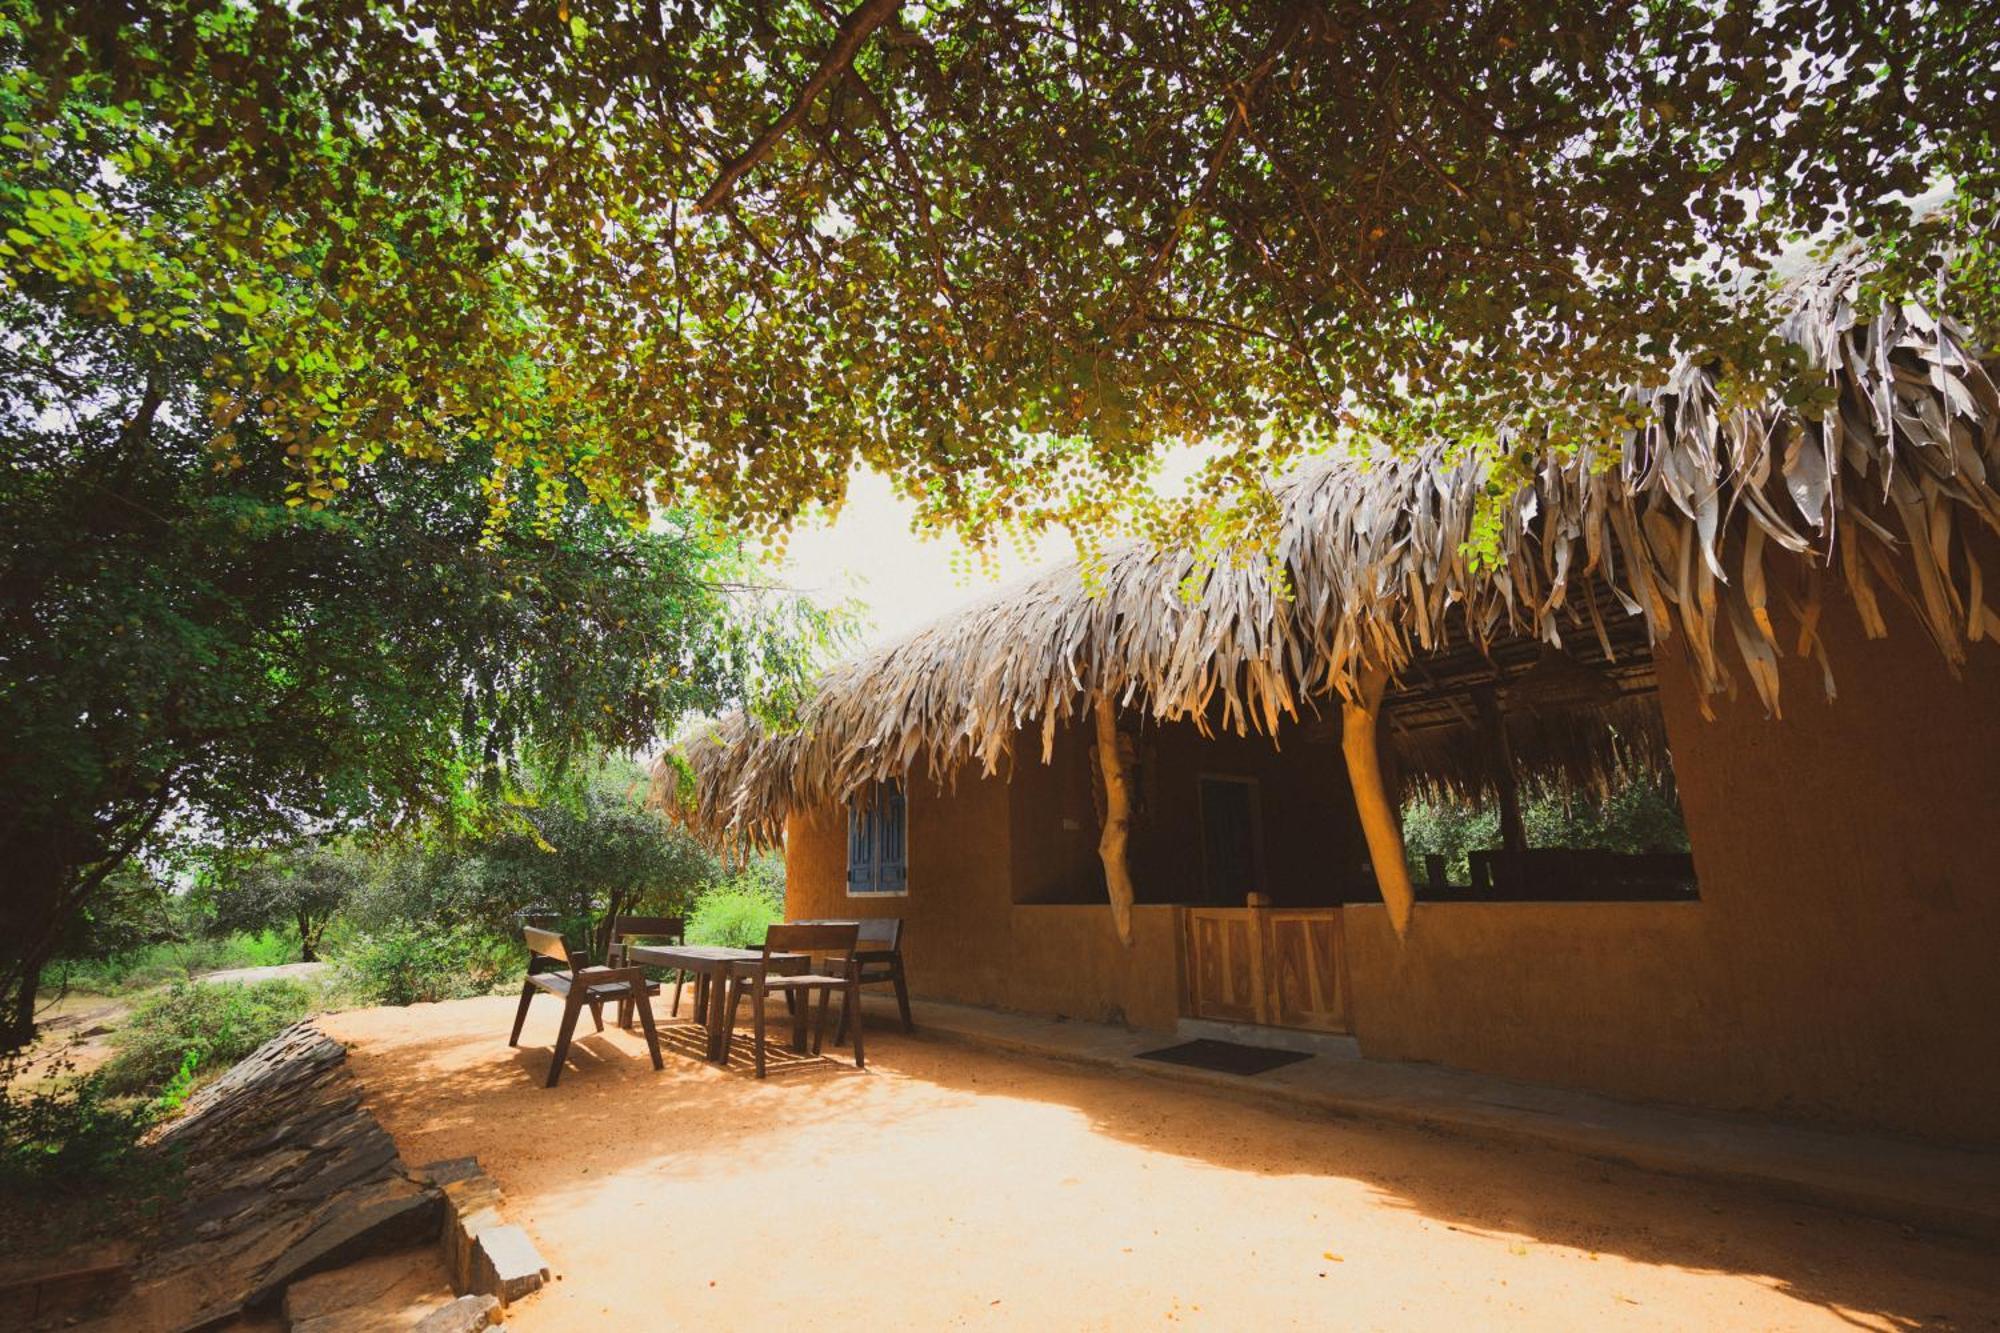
{"type": "Point", "coordinates": [1302, 966]}
{"type": "Point", "coordinates": [1223, 982]}
{"type": "Point", "coordinates": [1280, 967]}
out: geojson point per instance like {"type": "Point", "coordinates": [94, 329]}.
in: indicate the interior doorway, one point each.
{"type": "Point", "coordinates": [1232, 841]}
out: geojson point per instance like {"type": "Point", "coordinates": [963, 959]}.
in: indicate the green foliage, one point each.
{"type": "Point", "coordinates": [1635, 818]}
{"type": "Point", "coordinates": [588, 849]}
{"type": "Point", "coordinates": [300, 888]}
{"type": "Point", "coordinates": [736, 912]}
{"type": "Point", "coordinates": [148, 966]}
{"type": "Point", "coordinates": [1004, 252]}
{"type": "Point", "coordinates": [406, 963]}
{"type": "Point", "coordinates": [182, 638]}
{"type": "Point", "coordinates": [61, 1131]}
{"type": "Point", "coordinates": [197, 1028]}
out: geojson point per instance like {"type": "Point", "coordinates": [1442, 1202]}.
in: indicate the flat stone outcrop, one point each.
{"type": "Point", "coordinates": [286, 1175]}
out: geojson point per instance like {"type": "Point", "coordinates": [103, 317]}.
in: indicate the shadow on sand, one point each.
{"type": "Point", "coordinates": [1516, 1195]}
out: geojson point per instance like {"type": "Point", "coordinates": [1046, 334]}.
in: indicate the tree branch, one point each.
{"type": "Point", "coordinates": [855, 29]}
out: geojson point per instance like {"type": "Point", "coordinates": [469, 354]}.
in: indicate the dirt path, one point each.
{"type": "Point", "coordinates": [948, 1186]}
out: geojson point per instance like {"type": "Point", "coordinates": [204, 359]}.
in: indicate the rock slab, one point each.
{"type": "Point", "coordinates": [467, 1314]}
{"type": "Point", "coordinates": [286, 1175]}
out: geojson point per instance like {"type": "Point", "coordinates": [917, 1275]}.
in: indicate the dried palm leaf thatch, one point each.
{"type": "Point", "coordinates": [1714, 522]}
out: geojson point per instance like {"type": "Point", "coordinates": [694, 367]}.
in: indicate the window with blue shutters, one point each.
{"type": "Point", "coordinates": [877, 843]}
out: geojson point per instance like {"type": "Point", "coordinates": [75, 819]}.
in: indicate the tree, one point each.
{"type": "Point", "coordinates": [596, 852]}
{"type": "Point", "coordinates": [583, 849]}
{"type": "Point", "coordinates": [999, 249]}
{"type": "Point", "coordinates": [301, 887]}
{"type": "Point", "coordinates": [182, 648]}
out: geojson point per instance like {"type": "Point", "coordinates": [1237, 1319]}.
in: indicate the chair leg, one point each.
{"type": "Point", "coordinates": [757, 1018]}
{"type": "Point", "coordinates": [734, 989]}
{"type": "Point", "coordinates": [521, 1014]}
{"type": "Point", "coordinates": [679, 978]}
{"type": "Point", "coordinates": [645, 1007]}
{"type": "Point", "coordinates": [597, 1013]}
{"type": "Point", "coordinates": [801, 1011]}
{"type": "Point", "coordinates": [854, 1007]}
{"type": "Point", "coordinates": [562, 1042]}
{"type": "Point", "coordinates": [819, 1028]}
{"type": "Point", "coordinates": [902, 992]}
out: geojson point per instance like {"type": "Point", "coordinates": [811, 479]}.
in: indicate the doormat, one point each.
{"type": "Point", "coordinates": [1225, 1057]}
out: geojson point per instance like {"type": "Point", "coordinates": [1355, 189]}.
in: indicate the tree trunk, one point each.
{"type": "Point", "coordinates": [1500, 766]}
{"type": "Point", "coordinates": [53, 869]}
{"type": "Point", "coordinates": [1117, 819]}
{"type": "Point", "coordinates": [1360, 724]}
{"type": "Point", "coordinates": [31, 921]}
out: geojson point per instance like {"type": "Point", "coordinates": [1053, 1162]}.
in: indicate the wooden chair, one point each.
{"type": "Point", "coordinates": [580, 986]}
{"type": "Point", "coordinates": [765, 975]}
{"type": "Point", "coordinates": [880, 953]}
{"type": "Point", "coordinates": [626, 929]}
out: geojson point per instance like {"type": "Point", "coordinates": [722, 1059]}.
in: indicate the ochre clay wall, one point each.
{"type": "Point", "coordinates": [965, 939]}
{"type": "Point", "coordinates": [1841, 964]}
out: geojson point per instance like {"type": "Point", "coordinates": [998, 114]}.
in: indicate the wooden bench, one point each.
{"type": "Point", "coordinates": [549, 970]}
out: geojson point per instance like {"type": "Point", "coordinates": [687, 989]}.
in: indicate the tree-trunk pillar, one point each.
{"type": "Point", "coordinates": [1360, 719]}
{"type": "Point", "coordinates": [1500, 764]}
{"type": "Point", "coordinates": [1117, 818]}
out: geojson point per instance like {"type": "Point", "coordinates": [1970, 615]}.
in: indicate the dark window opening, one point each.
{"type": "Point", "coordinates": [1535, 773]}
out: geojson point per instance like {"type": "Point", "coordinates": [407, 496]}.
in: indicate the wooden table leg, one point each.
{"type": "Point", "coordinates": [718, 1017]}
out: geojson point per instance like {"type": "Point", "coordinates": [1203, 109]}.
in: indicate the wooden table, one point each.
{"type": "Point", "coordinates": [712, 965]}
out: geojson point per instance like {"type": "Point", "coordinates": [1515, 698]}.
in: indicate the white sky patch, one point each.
{"type": "Point", "coordinates": [903, 579]}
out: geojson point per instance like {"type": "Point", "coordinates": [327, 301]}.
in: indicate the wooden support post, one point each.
{"type": "Point", "coordinates": [1500, 765]}
{"type": "Point", "coordinates": [1117, 818]}
{"type": "Point", "coordinates": [1360, 721]}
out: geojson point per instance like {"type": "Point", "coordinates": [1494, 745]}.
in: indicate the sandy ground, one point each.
{"type": "Point", "coordinates": [948, 1186]}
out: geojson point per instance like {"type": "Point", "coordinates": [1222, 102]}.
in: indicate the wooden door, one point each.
{"type": "Point", "coordinates": [1279, 967]}
{"type": "Point", "coordinates": [1302, 968]}
{"type": "Point", "coordinates": [1222, 960]}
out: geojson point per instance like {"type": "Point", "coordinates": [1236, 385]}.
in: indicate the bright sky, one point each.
{"type": "Point", "coordinates": [871, 555]}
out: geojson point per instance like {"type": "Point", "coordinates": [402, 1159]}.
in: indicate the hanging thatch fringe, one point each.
{"type": "Point", "coordinates": [1714, 523]}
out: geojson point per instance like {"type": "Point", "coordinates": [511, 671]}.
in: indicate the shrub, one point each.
{"type": "Point", "coordinates": [156, 964]}
{"type": "Point", "coordinates": [735, 913]}
{"type": "Point", "coordinates": [213, 1024]}
{"type": "Point", "coordinates": [65, 1131]}
{"type": "Point", "coordinates": [405, 964]}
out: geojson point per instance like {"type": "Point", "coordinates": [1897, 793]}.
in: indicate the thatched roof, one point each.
{"type": "Point", "coordinates": [1680, 532]}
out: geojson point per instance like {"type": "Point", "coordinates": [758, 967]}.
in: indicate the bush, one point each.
{"type": "Point", "coordinates": [64, 1131]}
{"type": "Point", "coordinates": [196, 1029]}
{"type": "Point", "coordinates": [402, 964]}
{"type": "Point", "coordinates": [156, 964]}
{"type": "Point", "coordinates": [735, 913]}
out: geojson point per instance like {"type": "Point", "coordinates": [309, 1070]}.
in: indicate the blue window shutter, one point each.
{"type": "Point", "coordinates": [891, 844]}
{"type": "Point", "coordinates": [860, 849]}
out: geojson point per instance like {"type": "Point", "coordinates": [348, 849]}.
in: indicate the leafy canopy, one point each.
{"type": "Point", "coordinates": [1000, 251]}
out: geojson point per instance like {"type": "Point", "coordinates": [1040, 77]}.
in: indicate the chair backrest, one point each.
{"type": "Point", "coordinates": [830, 937]}
{"type": "Point", "coordinates": [646, 927]}
{"type": "Point", "coordinates": [877, 932]}
{"type": "Point", "coordinates": [545, 944]}
{"type": "Point", "coordinates": [881, 932]}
